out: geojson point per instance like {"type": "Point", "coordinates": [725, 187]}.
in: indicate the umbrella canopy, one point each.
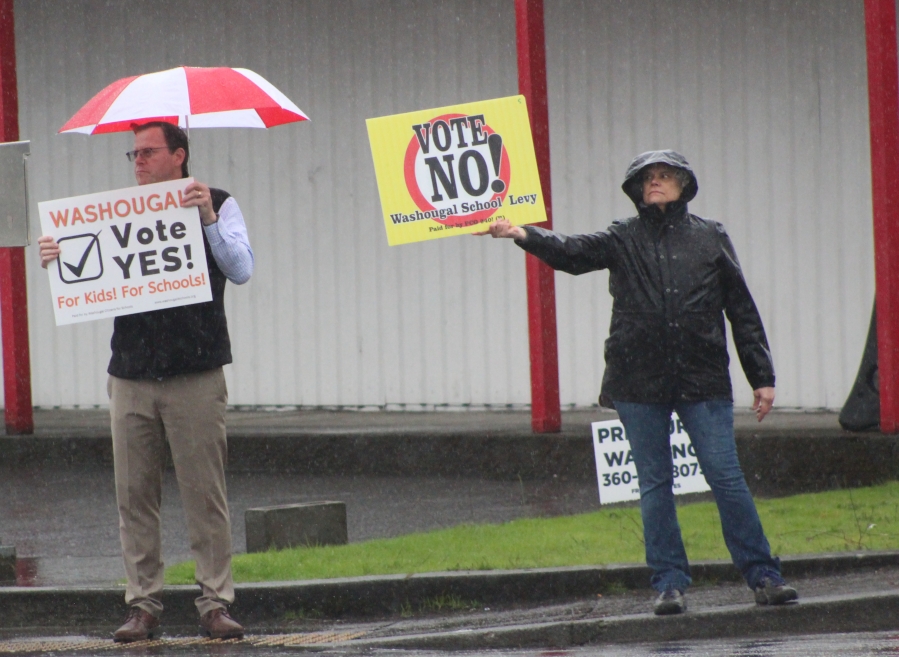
{"type": "Point", "coordinates": [189, 96]}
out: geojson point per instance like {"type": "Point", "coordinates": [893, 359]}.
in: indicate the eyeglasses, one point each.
{"type": "Point", "coordinates": [145, 153]}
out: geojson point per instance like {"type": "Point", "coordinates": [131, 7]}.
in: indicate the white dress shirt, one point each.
{"type": "Point", "coordinates": [230, 243]}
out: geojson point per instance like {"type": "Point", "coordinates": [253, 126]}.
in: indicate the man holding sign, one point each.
{"type": "Point", "coordinates": [673, 277]}
{"type": "Point", "coordinates": [166, 385]}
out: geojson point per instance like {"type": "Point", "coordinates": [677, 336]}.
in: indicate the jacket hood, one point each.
{"type": "Point", "coordinates": [633, 187]}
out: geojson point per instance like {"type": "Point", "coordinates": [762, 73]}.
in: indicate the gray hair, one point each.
{"type": "Point", "coordinates": [683, 177]}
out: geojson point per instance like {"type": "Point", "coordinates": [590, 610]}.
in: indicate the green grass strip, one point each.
{"type": "Point", "coordinates": [833, 521]}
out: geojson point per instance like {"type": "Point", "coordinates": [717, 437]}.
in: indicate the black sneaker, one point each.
{"type": "Point", "coordinates": [770, 591]}
{"type": "Point", "coordinates": [670, 602]}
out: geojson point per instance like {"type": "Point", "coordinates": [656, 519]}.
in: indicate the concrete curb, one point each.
{"type": "Point", "coordinates": [870, 613]}
{"type": "Point", "coordinates": [783, 464]}
{"type": "Point", "coordinates": [369, 597]}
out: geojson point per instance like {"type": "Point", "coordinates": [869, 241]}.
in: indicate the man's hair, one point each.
{"type": "Point", "coordinates": [175, 138]}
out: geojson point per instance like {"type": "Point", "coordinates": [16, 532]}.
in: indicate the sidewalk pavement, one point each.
{"type": "Point", "coordinates": [547, 608]}
{"type": "Point", "coordinates": [402, 472]}
{"type": "Point", "coordinates": [288, 421]}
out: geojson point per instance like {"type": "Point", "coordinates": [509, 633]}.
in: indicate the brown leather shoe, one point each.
{"type": "Point", "coordinates": [139, 625]}
{"type": "Point", "coordinates": [217, 624]}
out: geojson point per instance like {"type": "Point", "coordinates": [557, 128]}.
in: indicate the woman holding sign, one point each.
{"type": "Point", "coordinates": [673, 277]}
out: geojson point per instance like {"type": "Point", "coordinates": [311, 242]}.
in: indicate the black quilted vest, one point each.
{"type": "Point", "coordinates": [171, 341]}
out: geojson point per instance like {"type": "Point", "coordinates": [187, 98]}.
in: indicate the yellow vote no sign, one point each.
{"type": "Point", "coordinates": [454, 170]}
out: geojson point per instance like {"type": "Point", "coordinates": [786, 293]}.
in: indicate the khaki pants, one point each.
{"type": "Point", "coordinates": [188, 413]}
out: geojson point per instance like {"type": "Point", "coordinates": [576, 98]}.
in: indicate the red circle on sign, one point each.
{"type": "Point", "coordinates": [505, 174]}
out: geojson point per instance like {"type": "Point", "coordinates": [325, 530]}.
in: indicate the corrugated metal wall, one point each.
{"type": "Point", "coordinates": [769, 102]}
{"type": "Point", "coordinates": [767, 99]}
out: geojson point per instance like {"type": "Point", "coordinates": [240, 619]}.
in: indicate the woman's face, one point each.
{"type": "Point", "coordinates": [660, 185]}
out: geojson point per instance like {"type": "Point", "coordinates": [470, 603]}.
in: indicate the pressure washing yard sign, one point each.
{"type": "Point", "coordinates": [616, 472]}
{"type": "Point", "coordinates": [125, 251]}
{"type": "Point", "coordinates": [454, 170]}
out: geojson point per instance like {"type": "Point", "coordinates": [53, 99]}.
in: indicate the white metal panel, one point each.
{"type": "Point", "coordinates": [767, 100]}
{"type": "Point", "coordinates": [332, 315]}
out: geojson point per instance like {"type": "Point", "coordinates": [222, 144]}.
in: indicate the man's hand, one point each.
{"type": "Point", "coordinates": [763, 400]}
{"type": "Point", "coordinates": [49, 249]}
{"type": "Point", "coordinates": [503, 228]}
{"type": "Point", "coordinates": [196, 195]}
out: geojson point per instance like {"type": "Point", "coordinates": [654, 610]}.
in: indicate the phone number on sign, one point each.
{"type": "Point", "coordinates": [682, 470]}
{"type": "Point", "coordinates": [686, 470]}
{"type": "Point", "coordinates": [617, 478]}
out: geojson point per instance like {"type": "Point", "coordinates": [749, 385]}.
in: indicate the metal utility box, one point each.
{"type": "Point", "coordinates": [14, 229]}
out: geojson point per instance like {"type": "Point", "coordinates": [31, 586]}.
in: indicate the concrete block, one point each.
{"type": "Point", "coordinates": [7, 565]}
{"type": "Point", "coordinates": [295, 525]}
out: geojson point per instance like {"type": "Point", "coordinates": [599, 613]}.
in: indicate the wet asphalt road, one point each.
{"type": "Point", "coordinates": [64, 523]}
{"type": "Point", "coordinates": [830, 645]}
{"type": "Point", "coordinates": [825, 645]}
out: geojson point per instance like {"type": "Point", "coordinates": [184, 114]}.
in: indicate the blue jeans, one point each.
{"type": "Point", "coordinates": [710, 425]}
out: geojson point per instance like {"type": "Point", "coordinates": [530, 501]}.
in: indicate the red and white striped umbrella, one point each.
{"type": "Point", "coordinates": [190, 96]}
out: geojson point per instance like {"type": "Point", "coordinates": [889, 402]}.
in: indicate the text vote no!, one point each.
{"type": "Point", "coordinates": [441, 134]}
{"type": "Point", "coordinates": [148, 264]}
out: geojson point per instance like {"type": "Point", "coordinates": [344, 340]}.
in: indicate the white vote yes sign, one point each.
{"type": "Point", "coordinates": [616, 471]}
{"type": "Point", "coordinates": [125, 251]}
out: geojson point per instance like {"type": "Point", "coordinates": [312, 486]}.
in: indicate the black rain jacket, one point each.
{"type": "Point", "coordinates": [673, 276]}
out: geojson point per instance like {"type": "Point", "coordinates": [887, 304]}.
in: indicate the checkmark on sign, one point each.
{"type": "Point", "coordinates": [80, 259]}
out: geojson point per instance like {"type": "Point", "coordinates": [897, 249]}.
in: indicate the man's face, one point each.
{"type": "Point", "coordinates": [660, 185]}
{"type": "Point", "coordinates": [158, 165]}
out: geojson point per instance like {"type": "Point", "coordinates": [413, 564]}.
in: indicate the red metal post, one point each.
{"type": "Point", "coordinates": [13, 293]}
{"type": "Point", "coordinates": [883, 108]}
{"type": "Point", "coordinates": [546, 416]}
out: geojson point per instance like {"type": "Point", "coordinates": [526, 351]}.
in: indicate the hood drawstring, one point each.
{"type": "Point", "coordinates": [674, 210]}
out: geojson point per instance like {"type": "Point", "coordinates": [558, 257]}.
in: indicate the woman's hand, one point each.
{"type": "Point", "coordinates": [503, 228]}
{"type": "Point", "coordinates": [763, 400]}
